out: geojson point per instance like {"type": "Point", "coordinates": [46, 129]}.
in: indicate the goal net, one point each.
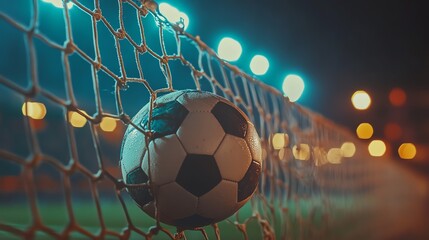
{"type": "Point", "coordinates": [71, 79]}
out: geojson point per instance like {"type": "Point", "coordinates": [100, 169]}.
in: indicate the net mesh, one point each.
{"type": "Point", "coordinates": [104, 61]}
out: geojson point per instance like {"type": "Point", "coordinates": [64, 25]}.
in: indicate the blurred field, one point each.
{"type": "Point", "coordinates": [55, 216]}
{"type": "Point", "coordinates": [301, 222]}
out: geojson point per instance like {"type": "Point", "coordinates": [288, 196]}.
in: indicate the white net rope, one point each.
{"type": "Point", "coordinates": [64, 181]}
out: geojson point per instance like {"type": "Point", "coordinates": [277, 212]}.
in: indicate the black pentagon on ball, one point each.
{"type": "Point", "coordinates": [193, 221]}
{"type": "Point", "coordinates": [141, 195]}
{"type": "Point", "coordinates": [231, 120]}
{"type": "Point", "coordinates": [198, 174]}
{"type": "Point", "coordinates": [250, 181]}
{"type": "Point", "coordinates": [166, 118]}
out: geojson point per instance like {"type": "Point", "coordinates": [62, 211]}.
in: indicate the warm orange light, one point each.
{"type": "Point", "coordinates": [334, 155]}
{"type": "Point", "coordinates": [361, 100]}
{"type": "Point", "coordinates": [392, 131]}
{"type": "Point", "coordinates": [35, 110]}
{"type": "Point", "coordinates": [76, 119]}
{"type": "Point", "coordinates": [301, 151]}
{"type": "Point", "coordinates": [377, 148]}
{"type": "Point", "coordinates": [397, 97]}
{"type": "Point", "coordinates": [348, 149]}
{"type": "Point", "coordinates": [364, 131]}
{"type": "Point", "coordinates": [407, 151]}
{"type": "Point", "coordinates": [280, 140]}
{"type": "Point", "coordinates": [108, 124]}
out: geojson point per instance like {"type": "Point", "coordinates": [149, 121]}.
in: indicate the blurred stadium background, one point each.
{"type": "Point", "coordinates": [336, 47]}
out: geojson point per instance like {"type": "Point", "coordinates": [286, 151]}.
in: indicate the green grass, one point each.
{"type": "Point", "coordinates": [55, 216]}
{"type": "Point", "coordinates": [303, 220]}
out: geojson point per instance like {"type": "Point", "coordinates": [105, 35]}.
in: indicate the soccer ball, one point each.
{"type": "Point", "coordinates": [204, 158]}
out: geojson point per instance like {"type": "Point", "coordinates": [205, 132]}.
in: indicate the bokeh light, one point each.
{"type": "Point", "coordinates": [173, 14]}
{"type": "Point", "coordinates": [259, 65]}
{"type": "Point", "coordinates": [348, 149]}
{"type": "Point", "coordinates": [397, 97]}
{"type": "Point", "coordinates": [108, 124]}
{"type": "Point", "coordinates": [59, 3]}
{"type": "Point", "coordinates": [361, 100]}
{"type": "Point", "coordinates": [34, 110]}
{"type": "Point", "coordinates": [301, 151]}
{"type": "Point", "coordinates": [334, 155]}
{"type": "Point", "coordinates": [280, 140]}
{"type": "Point", "coordinates": [377, 148]}
{"type": "Point", "coordinates": [364, 131]}
{"type": "Point", "coordinates": [407, 151]}
{"type": "Point", "coordinates": [229, 49]}
{"type": "Point", "coordinates": [293, 87]}
{"type": "Point", "coordinates": [76, 119]}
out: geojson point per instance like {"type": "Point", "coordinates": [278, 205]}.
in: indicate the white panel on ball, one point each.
{"type": "Point", "coordinates": [166, 155]}
{"type": "Point", "coordinates": [225, 195]}
{"type": "Point", "coordinates": [133, 151]}
{"type": "Point", "coordinates": [175, 202]}
{"type": "Point", "coordinates": [168, 97]}
{"type": "Point", "coordinates": [254, 143]}
{"type": "Point", "coordinates": [198, 101]}
{"type": "Point", "coordinates": [200, 133]}
{"type": "Point", "coordinates": [233, 158]}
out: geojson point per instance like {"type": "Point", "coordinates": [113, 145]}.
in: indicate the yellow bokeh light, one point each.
{"type": "Point", "coordinates": [280, 140]}
{"type": "Point", "coordinates": [35, 110]}
{"type": "Point", "coordinates": [377, 148]}
{"type": "Point", "coordinates": [348, 149]}
{"type": "Point", "coordinates": [407, 151]}
{"type": "Point", "coordinates": [301, 151]}
{"type": "Point", "coordinates": [364, 131]}
{"type": "Point", "coordinates": [361, 100]}
{"type": "Point", "coordinates": [76, 119]}
{"type": "Point", "coordinates": [108, 124]}
{"type": "Point", "coordinates": [334, 155]}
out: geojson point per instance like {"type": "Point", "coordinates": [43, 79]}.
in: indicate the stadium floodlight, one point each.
{"type": "Point", "coordinates": [229, 49]}
{"type": "Point", "coordinates": [259, 65]}
{"type": "Point", "coordinates": [293, 87]}
{"type": "Point", "coordinates": [59, 3]}
{"type": "Point", "coordinates": [173, 14]}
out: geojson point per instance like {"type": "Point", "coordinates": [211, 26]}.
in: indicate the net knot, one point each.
{"type": "Point", "coordinates": [120, 33]}
{"type": "Point", "coordinates": [164, 60]}
{"type": "Point", "coordinates": [97, 65]}
{"type": "Point", "coordinates": [143, 11]}
{"type": "Point", "coordinates": [151, 5]}
{"type": "Point", "coordinates": [69, 47]}
{"type": "Point", "coordinates": [125, 118]}
{"type": "Point", "coordinates": [142, 48]}
{"type": "Point", "coordinates": [97, 14]}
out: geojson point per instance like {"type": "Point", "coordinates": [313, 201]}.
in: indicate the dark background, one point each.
{"type": "Point", "coordinates": [338, 47]}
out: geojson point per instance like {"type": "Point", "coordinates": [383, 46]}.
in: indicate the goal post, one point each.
{"type": "Point", "coordinates": [73, 77]}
